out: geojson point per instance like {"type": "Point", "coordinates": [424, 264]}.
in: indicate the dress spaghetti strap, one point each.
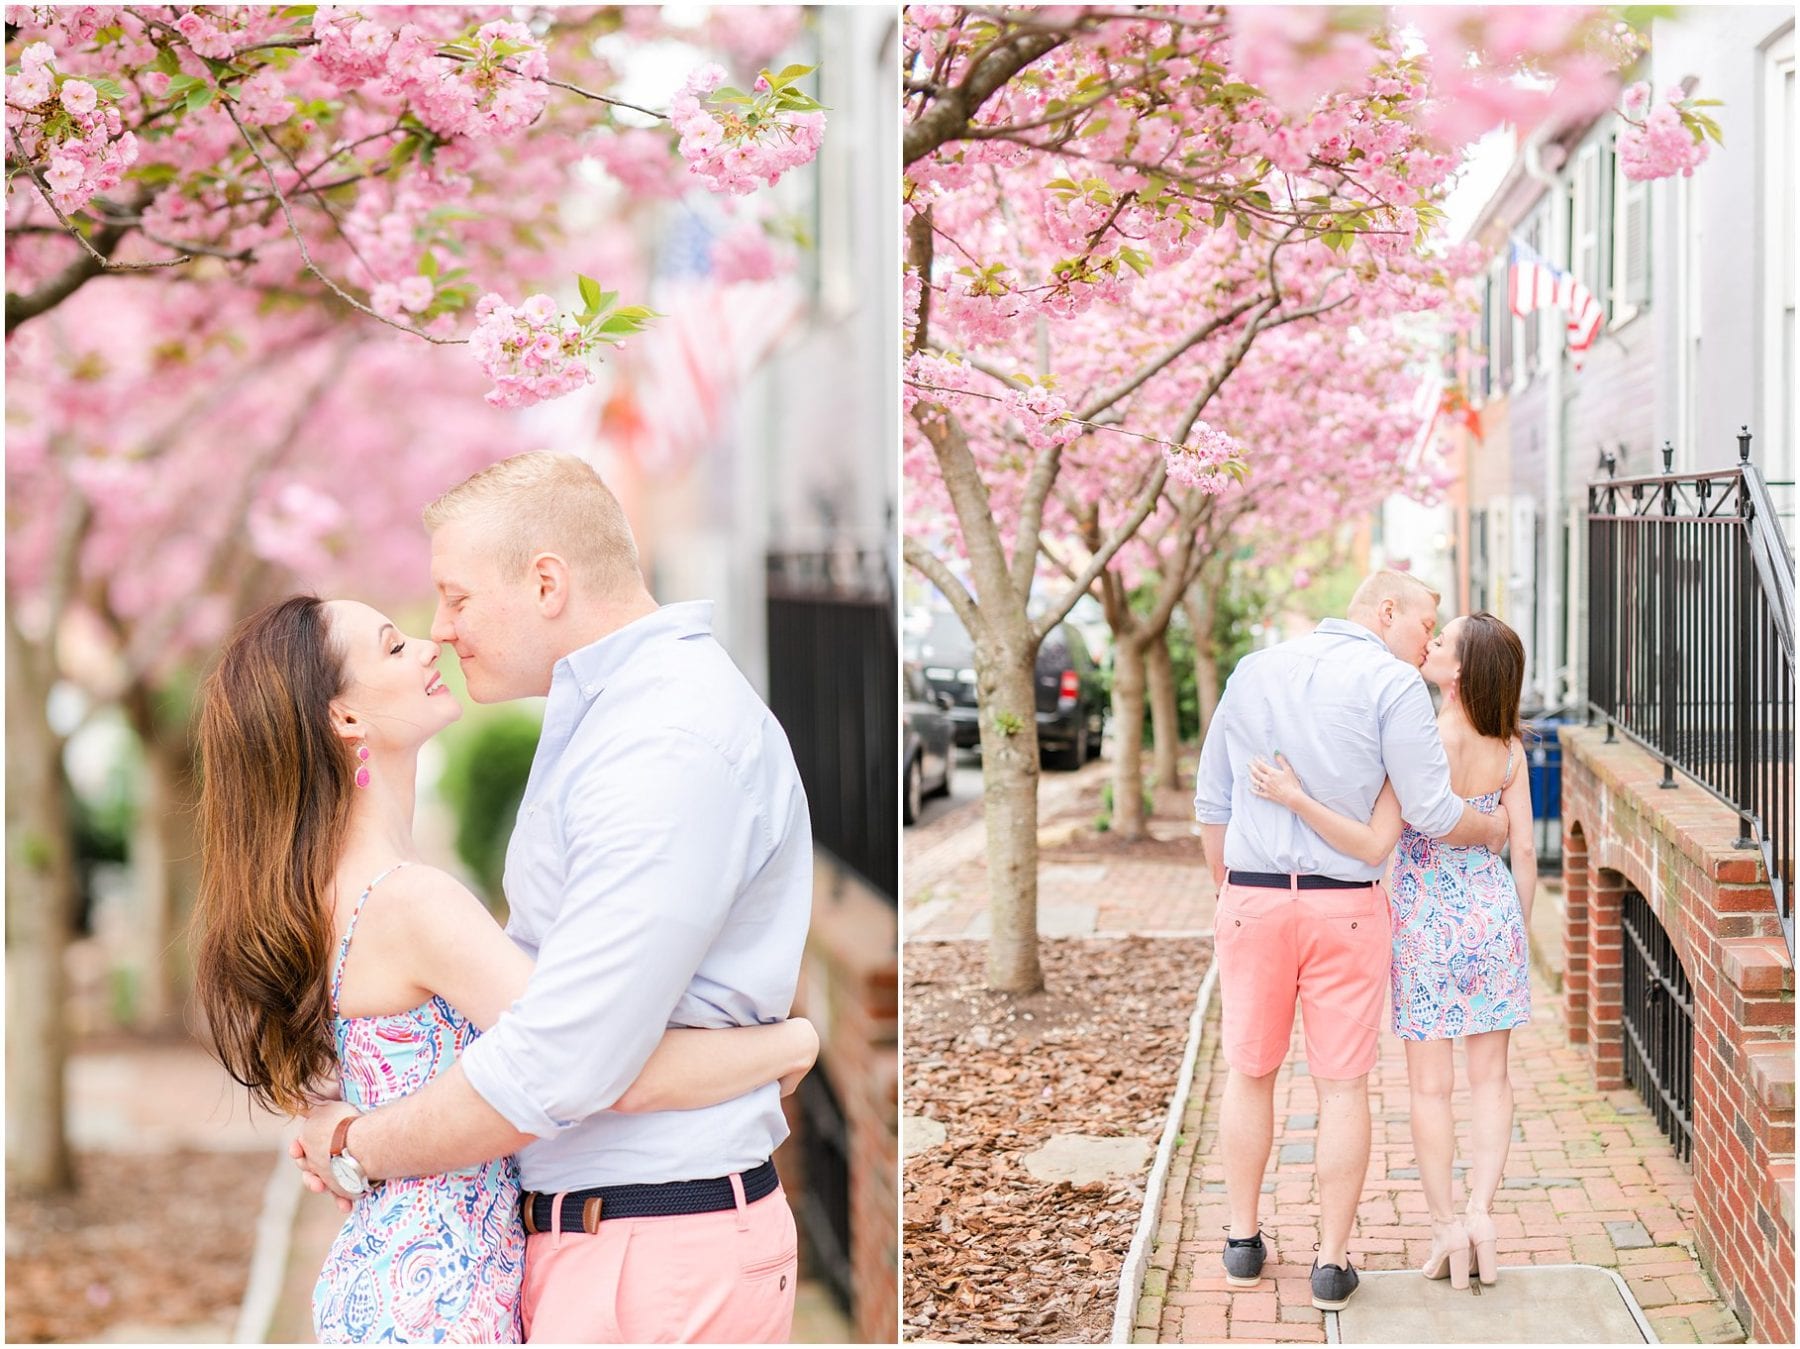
{"type": "Point", "coordinates": [337, 966]}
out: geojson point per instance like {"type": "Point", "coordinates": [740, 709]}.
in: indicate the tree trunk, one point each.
{"type": "Point", "coordinates": [162, 855]}
{"type": "Point", "coordinates": [1165, 713]}
{"type": "Point", "coordinates": [1009, 772]}
{"type": "Point", "coordinates": [1128, 716]}
{"type": "Point", "coordinates": [1199, 605]}
{"type": "Point", "coordinates": [40, 902]}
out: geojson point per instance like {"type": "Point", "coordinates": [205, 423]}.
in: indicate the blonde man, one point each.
{"type": "Point", "coordinates": [660, 873]}
{"type": "Point", "coordinates": [1299, 921]}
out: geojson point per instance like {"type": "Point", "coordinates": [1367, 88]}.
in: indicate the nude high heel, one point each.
{"type": "Point", "coordinates": [1482, 1238]}
{"type": "Point", "coordinates": [1449, 1254]}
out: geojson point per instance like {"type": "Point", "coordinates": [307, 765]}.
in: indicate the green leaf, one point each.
{"type": "Point", "coordinates": [590, 293]}
{"type": "Point", "coordinates": [428, 265]}
{"type": "Point", "coordinates": [180, 84]}
{"type": "Point", "coordinates": [299, 11]}
{"type": "Point", "coordinates": [1242, 223]}
{"type": "Point", "coordinates": [1138, 262]}
{"type": "Point", "coordinates": [154, 173]}
{"type": "Point", "coordinates": [166, 61]}
{"type": "Point", "coordinates": [791, 73]}
{"type": "Point", "coordinates": [199, 98]}
{"type": "Point", "coordinates": [107, 89]}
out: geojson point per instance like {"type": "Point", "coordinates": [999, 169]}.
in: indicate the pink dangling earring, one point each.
{"type": "Point", "coordinates": [362, 773]}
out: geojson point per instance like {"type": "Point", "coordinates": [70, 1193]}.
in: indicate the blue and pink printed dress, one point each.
{"type": "Point", "coordinates": [432, 1258]}
{"type": "Point", "coordinates": [1460, 963]}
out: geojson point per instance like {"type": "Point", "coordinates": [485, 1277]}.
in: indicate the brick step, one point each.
{"type": "Point", "coordinates": [1756, 965]}
{"type": "Point", "coordinates": [1770, 1067]}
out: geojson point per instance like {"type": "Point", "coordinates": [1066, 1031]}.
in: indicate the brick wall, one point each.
{"type": "Point", "coordinates": [849, 987]}
{"type": "Point", "coordinates": [1674, 847]}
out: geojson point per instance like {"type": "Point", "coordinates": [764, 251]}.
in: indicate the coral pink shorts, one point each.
{"type": "Point", "coordinates": [1328, 948]}
{"type": "Point", "coordinates": [699, 1278]}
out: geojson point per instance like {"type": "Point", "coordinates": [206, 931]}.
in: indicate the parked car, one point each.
{"type": "Point", "coordinates": [947, 657]}
{"type": "Point", "coordinates": [930, 747]}
{"type": "Point", "coordinates": [1071, 701]}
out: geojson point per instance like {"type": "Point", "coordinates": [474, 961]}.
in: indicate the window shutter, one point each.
{"type": "Point", "coordinates": [1631, 266]}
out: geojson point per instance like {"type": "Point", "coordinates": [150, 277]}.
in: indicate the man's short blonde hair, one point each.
{"type": "Point", "coordinates": [545, 503]}
{"type": "Point", "coordinates": [1403, 588]}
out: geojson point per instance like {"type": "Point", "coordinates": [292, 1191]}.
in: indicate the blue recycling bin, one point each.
{"type": "Point", "coordinates": [1543, 758]}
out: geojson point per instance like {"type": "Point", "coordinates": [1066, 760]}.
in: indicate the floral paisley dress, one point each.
{"type": "Point", "coordinates": [427, 1258]}
{"type": "Point", "coordinates": [1460, 963]}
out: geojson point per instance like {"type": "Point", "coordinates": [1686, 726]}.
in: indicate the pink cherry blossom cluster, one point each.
{"type": "Point", "coordinates": [1200, 463]}
{"type": "Point", "coordinates": [1660, 142]}
{"type": "Point", "coordinates": [1043, 416]}
{"type": "Point", "coordinates": [531, 352]}
{"type": "Point", "coordinates": [640, 160]}
{"type": "Point", "coordinates": [78, 141]}
{"type": "Point", "coordinates": [411, 296]}
{"type": "Point", "coordinates": [747, 253]}
{"type": "Point", "coordinates": [732, 154]}
{"type": "Point", "coordinates": [490, 84]}
{"type": "Point", "coordinates": [205, 36]}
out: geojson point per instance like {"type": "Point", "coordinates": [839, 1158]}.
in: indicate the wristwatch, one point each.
{"type": "Point", "coordinates": [345, 1169]}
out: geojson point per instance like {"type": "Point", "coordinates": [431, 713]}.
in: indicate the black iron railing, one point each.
{"type": "Point", "coordinates": [1691, 655]}
{"type": "Point", "coordinates": [1659, 1023]}
{"type": "Point", "coordinates": [834, 685]}
{"type": "Point", "coordinates": [825, 1191]}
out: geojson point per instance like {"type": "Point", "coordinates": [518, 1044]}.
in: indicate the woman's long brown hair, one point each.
{"type": "Point", "coordinates": [274, 811]}
{"type": "Point", "coordinates": [1493, 674]}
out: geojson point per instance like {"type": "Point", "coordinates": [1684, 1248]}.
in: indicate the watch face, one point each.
{"type": "Point", "coordinates": [348, 1175]}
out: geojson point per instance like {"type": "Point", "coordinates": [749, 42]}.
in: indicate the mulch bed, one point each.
{"type": "Point", "coordinates": [991, 1253]}
{"type": "Point", "coordinates": [150, 1241]}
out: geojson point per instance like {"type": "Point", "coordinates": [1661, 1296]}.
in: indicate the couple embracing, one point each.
{"type": "Point", "coordinates": [562, 1131]}
{"type": "Point", "coordinates": [1323, 758]}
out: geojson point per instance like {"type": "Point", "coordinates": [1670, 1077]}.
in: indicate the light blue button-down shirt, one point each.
{"type": "Point", "coordinates": [660, 874]}
{"type": "Point", "coordinates": [1347, 715]}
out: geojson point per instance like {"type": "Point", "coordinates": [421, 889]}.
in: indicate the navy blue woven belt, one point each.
{"type": "Point", "coordinates": [1278, 880]}
{"type": "Point", "coordinates": [585, 1210]}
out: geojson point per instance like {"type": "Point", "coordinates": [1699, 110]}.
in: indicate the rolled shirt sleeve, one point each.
{"type": "Point", "coordinates": [1213, 781]}
{"type": "Point", "coordinates": [1413, 754]}
{"type": "Point", "coordinates": [641, 906]}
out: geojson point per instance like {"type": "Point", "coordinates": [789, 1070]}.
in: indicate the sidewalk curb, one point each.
{"type": "Point", "coordinates": [1333, 1334]}
{"type": "Point", "coordinates": [1131, 1275]}
{"type": "Point", "coordinates": [268, 1261]}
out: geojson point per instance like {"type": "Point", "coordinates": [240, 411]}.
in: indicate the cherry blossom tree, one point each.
{"type": "Point", "coordinates": [244, 246]}
{"type": "Point", "coordinates": [1108, 212]}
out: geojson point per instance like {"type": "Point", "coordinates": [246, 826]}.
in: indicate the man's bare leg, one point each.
{"type": "Point", "coordinates": [1246, 1132]}
{"type": "Point", "coordinates": [1343, 1161]}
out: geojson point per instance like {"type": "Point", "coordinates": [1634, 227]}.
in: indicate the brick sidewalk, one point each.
{"type": "Point", "coordinates": [1086, 883]}
{"type": "Point", "coordinates": [1590, 1180]}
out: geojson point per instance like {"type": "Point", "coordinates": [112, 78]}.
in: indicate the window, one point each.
{"type": "Point", "coordinates": [1630, 246]}
{"type": "Point", "coordinates": [1777, 430]}
{"type": "Point", "coordinates": [1534, 324]}
{"type": "Point", "coordinates": [1481, 374]}
{"type": "Point", "coordinates": [1501, 345]}
{"type": "Point", "coordinates": [1584, 220]}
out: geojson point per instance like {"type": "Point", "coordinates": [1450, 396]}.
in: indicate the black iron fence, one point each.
{"type": "Point", "coordinates": [825, 1189]}
{"type": "Point", "coordinates": [834, 684]}
{"type": "Point", "coordinates": [1691, 655]}
{"type": "Point", "coordinates": [1659, 1023]}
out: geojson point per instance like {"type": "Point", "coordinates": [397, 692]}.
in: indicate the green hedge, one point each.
{"type": "Point", "coordinates": [484, 781]}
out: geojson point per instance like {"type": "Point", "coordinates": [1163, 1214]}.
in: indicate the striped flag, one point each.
{"type": "Point", "coordinates": [1533, 284]}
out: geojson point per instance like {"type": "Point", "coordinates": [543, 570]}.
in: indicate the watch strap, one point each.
{"type": "Point", "coordinates": [340, 1134]}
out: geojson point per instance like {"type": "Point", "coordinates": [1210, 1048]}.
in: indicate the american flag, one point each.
{"type": "Point", "coordinates": [674, 384]}
{"type": "Point", "coordinates": [1533, 284]}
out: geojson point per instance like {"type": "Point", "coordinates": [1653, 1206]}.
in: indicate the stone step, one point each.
{"type": "Point", "coordinates": [1781, 1170]}
{"type": "Point", "coordinates": [1770, 1066]}
{"type": "Point", "coordinates": [1757, 965]}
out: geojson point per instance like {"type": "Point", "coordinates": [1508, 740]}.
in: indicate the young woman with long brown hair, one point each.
{"type": "Point", "coordinates": [1460, 963]}
{"type": "Point", "coordinates": [328, 949]}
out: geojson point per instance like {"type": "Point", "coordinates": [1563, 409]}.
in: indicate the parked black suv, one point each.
{"type": "Point", "coordinates": [947, 657]}
{"type": "Point", "coordinates": [1071, 704]}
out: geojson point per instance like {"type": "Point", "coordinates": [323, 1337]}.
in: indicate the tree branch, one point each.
{"type": "Point", "coordinates": [946, 117]}
{"type": "Point", "coordinates": [928, 564]}
{"type": "Point", "coordinates": [1121, 533]}
{"type": "Point", "coordinates": [306, 257]}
